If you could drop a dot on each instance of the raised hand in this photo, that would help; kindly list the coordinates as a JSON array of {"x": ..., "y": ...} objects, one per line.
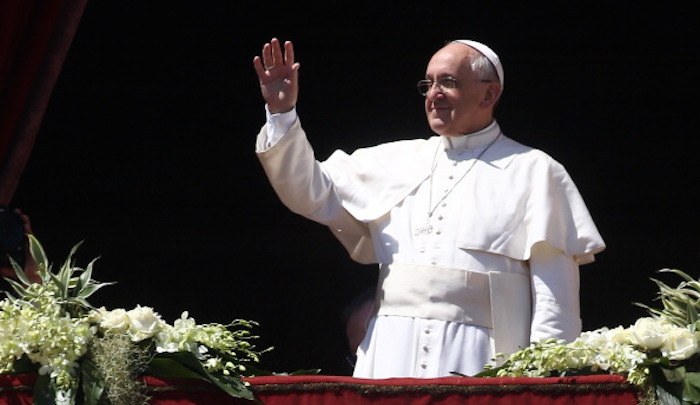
[{"x": 278, "y": 75}]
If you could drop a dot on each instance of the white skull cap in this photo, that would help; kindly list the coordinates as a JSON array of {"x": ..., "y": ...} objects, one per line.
[{"x": 488, "y": 52}]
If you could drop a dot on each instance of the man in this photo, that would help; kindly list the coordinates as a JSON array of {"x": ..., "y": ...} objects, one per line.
[{"x": 478, "y": 238}]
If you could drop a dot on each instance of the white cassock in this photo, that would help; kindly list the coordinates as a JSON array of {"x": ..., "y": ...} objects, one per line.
[{"x": 478, "y": 240}]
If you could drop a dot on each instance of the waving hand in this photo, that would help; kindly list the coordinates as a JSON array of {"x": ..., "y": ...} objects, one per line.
[{"x": 278, "y": 75}]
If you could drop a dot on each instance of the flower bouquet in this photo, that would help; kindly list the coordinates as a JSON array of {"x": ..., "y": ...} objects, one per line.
[
  {"x": 660, "y": 354},
  {"x": 90, "y": 355}
]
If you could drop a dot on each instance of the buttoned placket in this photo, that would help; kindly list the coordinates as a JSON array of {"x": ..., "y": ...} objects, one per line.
[
  {"x": 435, "y": 245},
  {"x": 427, "y": 362},
  {"x": 449, "y": 171}
]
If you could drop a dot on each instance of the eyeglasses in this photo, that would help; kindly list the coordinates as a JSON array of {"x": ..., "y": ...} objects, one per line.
[{"x": 443, "y": 83}]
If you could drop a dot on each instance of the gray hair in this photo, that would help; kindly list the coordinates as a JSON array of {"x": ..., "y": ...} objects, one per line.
[
  {"x": 483, "y": 68},
  {"x": 486, "y": 65}
]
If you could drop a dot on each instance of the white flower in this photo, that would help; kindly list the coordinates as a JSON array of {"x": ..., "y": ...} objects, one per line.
[
  {"x": 167, "y": 347},
  {"x": 597, "y": 338},
  {"x": 51, "y": 325},
  {"x": 680, "y": 343},
  {"x": 115, "y": 320},
  {"x": 143, "y": 323},
  {"x": 649, "y": 333},
  {"x": 619, "y": 335},
  {"x": 63, "y": 397},
  {"x": 179, "y": 337}
]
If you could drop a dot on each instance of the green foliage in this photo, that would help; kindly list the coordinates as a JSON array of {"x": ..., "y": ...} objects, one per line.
[
  {"x": 680, "y": 305},
  {"x": 72, "y": 285},
  {"x": 660, "y": 354},
  {"x": 50, "y": 327}
]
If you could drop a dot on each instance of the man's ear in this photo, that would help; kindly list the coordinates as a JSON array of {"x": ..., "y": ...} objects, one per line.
[{"x": 493, "y": 91}]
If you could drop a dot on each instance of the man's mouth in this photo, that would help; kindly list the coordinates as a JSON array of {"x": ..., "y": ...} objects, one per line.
[{"x": 439, "y": 108}]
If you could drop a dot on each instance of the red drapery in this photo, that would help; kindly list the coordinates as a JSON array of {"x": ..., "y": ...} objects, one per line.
[
  {"x": 34, "y": 39},
  {"x": 340, "y": 390}
]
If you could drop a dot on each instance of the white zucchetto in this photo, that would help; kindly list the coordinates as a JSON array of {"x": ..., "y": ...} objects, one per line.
[{"x": 488, "y": 52}]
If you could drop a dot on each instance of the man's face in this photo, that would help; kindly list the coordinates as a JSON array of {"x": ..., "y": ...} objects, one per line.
[{"x": 459, "y": 110}]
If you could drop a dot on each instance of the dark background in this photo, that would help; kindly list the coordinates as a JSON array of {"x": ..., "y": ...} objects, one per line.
[{"x": 146, "y": 152}]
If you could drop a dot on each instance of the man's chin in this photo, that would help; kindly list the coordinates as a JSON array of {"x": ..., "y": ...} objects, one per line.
[{"x": 438, "y": 126}]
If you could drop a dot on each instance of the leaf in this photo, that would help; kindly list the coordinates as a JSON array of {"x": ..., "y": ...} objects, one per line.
[
  {"x": 19, "y": 271},
  {"x": 681, "y": 273},
  {"x": 663, "y": 386},
  {"x": 233, "y": 386},
  {"x": 24, "y": 365},
  {"x": 188, "y": 361},
  {"x": 80, "y": 282},
  {"x": 691, "y": 387},
  {"x": 37, "y": 253},
  {"x": 19, "y": 288},
  {"x": 58, "y": 282},
  {"x": 90, "y": 289},
  {"x": 85, "y": 277},
  {"x": 170, "y": 367},
  {"x": 692, "y": 314},
  {"x": 83, "y": 303},
  {"x": 45, "y": 394},
  {"x": 490, "y": 371},
  {"x": 93, "y": 386},
  {"x": 63, "y": 278}
]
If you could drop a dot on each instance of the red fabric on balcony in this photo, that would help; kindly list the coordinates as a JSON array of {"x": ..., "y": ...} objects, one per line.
[
  {"x": 447, "y": 391},
  {"x": 336, "y": 390},
  {"x": 16, "y": 389}
]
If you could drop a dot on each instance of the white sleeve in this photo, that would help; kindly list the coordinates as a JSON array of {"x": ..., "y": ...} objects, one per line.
[
  {"x": 278, "y": 124},
  {"x": 555, "y": 282}
]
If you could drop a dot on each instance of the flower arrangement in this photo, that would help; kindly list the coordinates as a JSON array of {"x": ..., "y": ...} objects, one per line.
[
  {"x": 660, "y": 354},
  {"x": 49, "y": 327}
]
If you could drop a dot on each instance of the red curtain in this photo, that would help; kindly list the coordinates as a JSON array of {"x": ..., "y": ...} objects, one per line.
[{"x": 34, "y": 39}]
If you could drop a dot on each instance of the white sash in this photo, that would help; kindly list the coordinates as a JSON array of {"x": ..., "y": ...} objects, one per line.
[{"x": 496, "y": 300}]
